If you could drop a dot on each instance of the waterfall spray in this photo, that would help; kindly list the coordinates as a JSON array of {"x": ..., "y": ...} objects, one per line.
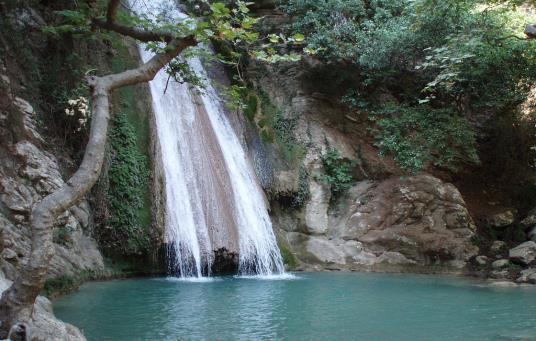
[{"x": 213, "y": 199}]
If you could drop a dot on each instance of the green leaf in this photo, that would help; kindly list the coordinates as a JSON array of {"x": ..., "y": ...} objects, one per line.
[{"x": 298, "y": 37}]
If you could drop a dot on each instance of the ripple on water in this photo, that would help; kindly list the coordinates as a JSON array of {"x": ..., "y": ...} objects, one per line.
[
  {"x": 316, "y": 307},
  {"x": 279, "y": 277},
  {"x": 191, "y": 279}
]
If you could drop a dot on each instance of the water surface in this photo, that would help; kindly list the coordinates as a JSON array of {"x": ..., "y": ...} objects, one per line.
[{"x": 313, "y": 306}]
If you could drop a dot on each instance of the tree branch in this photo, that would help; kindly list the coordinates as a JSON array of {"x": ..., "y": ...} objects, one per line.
[
  {"x": 16, "y": 303},
  {"x": 111, "y": 12},
  {"x": 136, "y": 33},
  {"x": 111, "y": 24}
]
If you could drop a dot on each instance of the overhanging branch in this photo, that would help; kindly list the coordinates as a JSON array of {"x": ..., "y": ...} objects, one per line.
[{"x": 16, "y": 303}]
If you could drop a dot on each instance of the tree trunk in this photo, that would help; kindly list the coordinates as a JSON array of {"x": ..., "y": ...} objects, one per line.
[{"x": 16, "y": 304}]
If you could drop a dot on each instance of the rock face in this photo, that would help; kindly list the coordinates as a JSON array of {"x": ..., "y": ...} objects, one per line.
[
  {"x": 527, "y": 276},
  {"x": 524, "y": 253},
  {"x": 502, "y": 219},
  {"x": 44, "y": 326},
  {"x": 500, "y": 263},
  {"x": 384, "y": 222},
  {"x": 28, "y": 172},
  {"x": 399, "y": 223}
]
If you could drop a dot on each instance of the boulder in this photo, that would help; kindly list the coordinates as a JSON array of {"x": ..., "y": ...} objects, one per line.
[
  {"x": 500, "y": 274},
  {"x": 497, "y": 246},
  {"x": 524, "y": 253},
  {"x": 502, "y": 219},
  {"x": 527, "y": 276},
  {"x": 420, "y": 217},
  {"x": 44, "y": 325},
  {"x": 481, "y": 260},
  {"x": 385, "y": 225},
  {"x": 500, "y": 263},
  {"x": 530, "y": 219}
]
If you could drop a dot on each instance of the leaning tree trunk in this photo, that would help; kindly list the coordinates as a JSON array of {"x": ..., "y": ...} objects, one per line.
[{"x": 16, "y": 304}]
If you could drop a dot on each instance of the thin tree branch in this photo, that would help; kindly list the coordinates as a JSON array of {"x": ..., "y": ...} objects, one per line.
[{"x": 136, "y": 33}]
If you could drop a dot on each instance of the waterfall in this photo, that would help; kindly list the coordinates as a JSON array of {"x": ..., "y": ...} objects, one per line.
[{"x": 213, "y": 199}]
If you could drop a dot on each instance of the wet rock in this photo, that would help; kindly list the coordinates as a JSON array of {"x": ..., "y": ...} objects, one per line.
[
  {"x": 481, "y": 260},
  {"x": 524, "y": 253},
  {"x": 503, "y": 284},
  {"x": 527, "y": 276},
  {"x": 498, "y": 246},
  {"x": 225, "y": 262},
  {"x": 502, "y": 219},
  {"x": 500, "y": 274},
  {"x": 501, "y": 263}
]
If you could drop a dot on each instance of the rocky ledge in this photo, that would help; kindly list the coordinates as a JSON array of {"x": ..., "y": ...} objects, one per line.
[
  {"x": 28, "y": 172},
  {"x": 416, "y": 223},
  {"x": 44, "y": 326}
]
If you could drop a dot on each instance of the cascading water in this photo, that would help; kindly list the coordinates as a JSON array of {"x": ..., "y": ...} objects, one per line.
[{"x": 213, "y": 199}]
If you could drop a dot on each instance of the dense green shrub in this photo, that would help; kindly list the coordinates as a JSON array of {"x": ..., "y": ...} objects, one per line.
[
  {"x": 376, "y": 35},
  {"x": 463, "y": 56},
  {"x": 303, "y": 193},
  {"x": 337, "y": 172},
  {"x": 419, "y": 135},
  {"x": 128, "y": 177}
]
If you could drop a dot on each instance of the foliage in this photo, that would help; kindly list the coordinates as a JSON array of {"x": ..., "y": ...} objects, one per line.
[
  {"x": 289, "y": 259},
  {"x": 303, "y": 193},
  {"x": 419, "y": 135},
  {"x": 355, "y": 31},
  {"x": 128, "y": 176},
  {"x": 467, "y": 63},
  {"x": 275, "y": 127},
  {"x": 337, "y": 172},
  {"x": 466, "y": 56}
]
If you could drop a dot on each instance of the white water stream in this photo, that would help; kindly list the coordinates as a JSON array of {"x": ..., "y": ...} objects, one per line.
[{"x": 213, "y": 199}]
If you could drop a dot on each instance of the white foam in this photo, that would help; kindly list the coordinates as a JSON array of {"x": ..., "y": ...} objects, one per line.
[
  {"x": 275, "y": 277},
  {"x": 200, "y": 193},
  {"x": 193, "y": 279}
]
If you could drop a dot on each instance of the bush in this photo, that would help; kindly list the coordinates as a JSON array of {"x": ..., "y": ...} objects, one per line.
[
  {"x": 416, "y": 136},
  {"x": 338, "y": 172},
  {"x": 303, "y": 193},
  {"x": 128, "y": 177}
]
